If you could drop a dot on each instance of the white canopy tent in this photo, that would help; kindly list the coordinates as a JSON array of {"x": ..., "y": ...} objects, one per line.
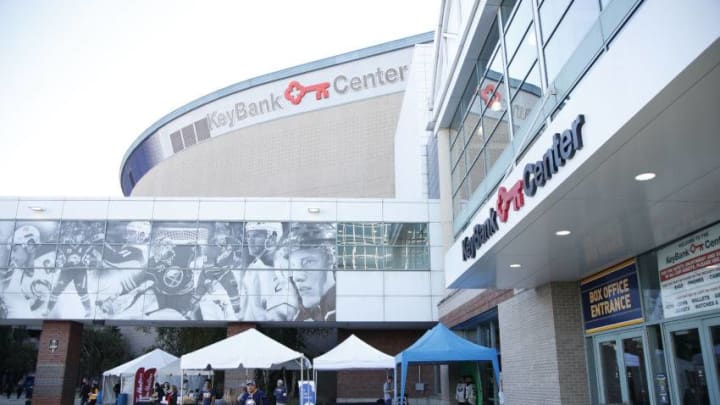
[
  {"x": 352, "y": 354},
  {"x": 155, "y": 359},
  {"x": 247, "y": 350}
]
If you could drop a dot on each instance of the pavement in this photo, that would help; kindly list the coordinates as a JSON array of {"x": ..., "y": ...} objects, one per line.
[{"x": 14, "y": 401}]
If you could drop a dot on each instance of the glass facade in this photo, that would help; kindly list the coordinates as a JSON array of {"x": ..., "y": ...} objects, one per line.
[
  {"x": 531, "y": 58},
  {"x": 190, "y": 270}
]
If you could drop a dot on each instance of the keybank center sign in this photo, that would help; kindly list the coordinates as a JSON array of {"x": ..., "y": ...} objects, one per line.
[{"x": 315, "y": 90}]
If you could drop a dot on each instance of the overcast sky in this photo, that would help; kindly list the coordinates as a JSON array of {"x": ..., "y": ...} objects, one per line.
[{"x": 81, "y": 80}]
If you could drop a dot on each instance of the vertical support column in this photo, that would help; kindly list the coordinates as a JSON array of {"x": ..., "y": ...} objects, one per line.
[
  {"x": 235, "y": 379},
  {"x": 58, "y": 363}
]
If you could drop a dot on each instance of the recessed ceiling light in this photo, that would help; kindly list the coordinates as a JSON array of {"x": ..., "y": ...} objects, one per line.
[
  {"x": 563, "y": 232},
  {"x": 645, "y": 176},
  {"x": 313, "y": 210},
  {"x": 36, "y": 208},
  {"x": 515, "y": 266},
  {"x": 714, "y": 266}
]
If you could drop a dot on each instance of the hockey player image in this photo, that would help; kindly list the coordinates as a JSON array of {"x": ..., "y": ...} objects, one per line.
[
  {"x": 312, "y": 258},
  {"x": 73, "y": 259},
  {"x": 126, "y": 249},
  {"x": 171, "y": 286},
  {"x": 218, "y": 262},
  {"x": 263, "y": 239},
  {"x": 26, "y": 239}
]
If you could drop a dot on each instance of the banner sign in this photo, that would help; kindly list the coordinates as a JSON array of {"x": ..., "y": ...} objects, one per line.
[
  {"x": 690, "y": 274},
  {"x": 611, "y": 298},
  {"x": 144, "y": 382},
  {"x": 307, "y": 392}
]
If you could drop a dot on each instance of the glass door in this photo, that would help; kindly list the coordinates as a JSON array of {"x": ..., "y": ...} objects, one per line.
[
  {"x": 695, "y": 360},
  {"x": 622, "y": 373}
]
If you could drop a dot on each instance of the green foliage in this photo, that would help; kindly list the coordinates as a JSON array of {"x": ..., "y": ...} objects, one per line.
[
  {"x": 18, "y": 356},
  {"x": 102, "y": 348},
  {"x": 179, "y": 341}
]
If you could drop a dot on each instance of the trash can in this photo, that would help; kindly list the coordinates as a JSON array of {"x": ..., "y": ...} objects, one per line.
[{"x": 122, "y": 398}]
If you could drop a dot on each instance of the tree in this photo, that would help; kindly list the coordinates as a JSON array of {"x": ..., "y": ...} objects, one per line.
[
  {"x": 18, "y": 354},
  {"x": 179, "y": 341},
  {"x": 101, "y": 349}
]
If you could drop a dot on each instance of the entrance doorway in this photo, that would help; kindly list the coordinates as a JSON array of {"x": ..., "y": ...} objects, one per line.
[
  {"x": 622, "y": 375},
  {"x": 694, "y": 360}
]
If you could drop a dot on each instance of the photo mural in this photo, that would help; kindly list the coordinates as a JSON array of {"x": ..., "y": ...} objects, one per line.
[{"x": 155, "y": 270}]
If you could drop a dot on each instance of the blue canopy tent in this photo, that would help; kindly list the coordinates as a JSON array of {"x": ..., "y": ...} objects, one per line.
[{"x": 440, "y": 345}]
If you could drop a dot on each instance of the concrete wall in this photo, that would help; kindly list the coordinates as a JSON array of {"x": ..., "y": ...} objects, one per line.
[
  {"x": 543, "y": 356},
  {"x": 345, "y": 151}
]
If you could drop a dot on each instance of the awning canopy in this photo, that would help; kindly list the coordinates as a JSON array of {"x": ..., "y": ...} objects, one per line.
[
  {"x": 353, "y": 354},
  {"x": 154, "y": 359},
  {"x": 440, "y": 345},
  {"x": 248, "y": 349}
]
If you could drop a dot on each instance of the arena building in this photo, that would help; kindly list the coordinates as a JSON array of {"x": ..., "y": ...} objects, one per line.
[
  {"x": 298, "y": 199},
  {"x": 579, "y": 170}
]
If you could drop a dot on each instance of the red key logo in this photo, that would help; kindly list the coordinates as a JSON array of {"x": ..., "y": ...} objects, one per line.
[
  {"x": 506, "y": 197},
  {"x": 295, "y": 91}
]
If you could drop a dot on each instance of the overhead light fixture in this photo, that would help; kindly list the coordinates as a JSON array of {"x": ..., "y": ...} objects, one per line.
[
  {"x": 313, "y": 210},
  {"x": 563, "y": 232},
  {"x": 515, "y": 266},
  {"x": 37, "y": 208},
  {"x": 714, "y": 266},
  {"x": 645, "y": 176},
  {"x": 496, "y": 105}
]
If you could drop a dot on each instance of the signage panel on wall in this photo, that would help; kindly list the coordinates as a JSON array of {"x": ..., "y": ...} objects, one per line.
[
  {"x": 690, "y": 274},
  {"x": 611, "y": 298}
]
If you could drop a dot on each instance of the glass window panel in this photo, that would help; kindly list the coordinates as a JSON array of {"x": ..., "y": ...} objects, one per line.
[
  {"x": 491, "y": 45},
  {"x": 610, "y": 373},
  {"x": 179, "y": 233},
  {"x": 690, "y": 367},
  {"x": 715, "y": 336},
  {"x": 360, "y": 233},
  {"x": 33, "y": 256},
  {"x": 202, "y": 129},
  {"x": 572, "y": 29},
  {"x": 36, "y": 232},
  {"x": 506, "y": 9},
  {"x": 495, "y": 97},
  {"x": 476, "y": 143},
  {"x": 497, "y": 143},
  {"x": 458, "y": 174},
  {"x": 477, "y": 173},
  {"x": 407, "y": 258},
  {"x": 525, "y": 99},
  {"x": 75, "y": 256},
  {"x": 635, "y": 373},
  {"x": 360, "y": 258},
  {"x": 550, "y": 13},
  {"x": 165, "y": 254},
  {"x": 176, "y": 142},
  {"x": 473, "y": 117},
  {"x": 84, "y": 232},
  {"x": 5, "y": 255},
  {"x": 221, "y": 233},
  {"x": 125, "y": 256},
  {"x": 6, "y": 231},
  {"x": 455, "y": 125},
  {"x": 460, "y": 199},
  {"x": 456, "y": 152},
  {"x": 219, "y": 257},
  {"x": 406, "y": 234},
  {"x": 517, "y": 27},
  {"x": 523, "y": 60},
  {"x": 469, "y": 92},
  {"x": 133, "y": 232}
]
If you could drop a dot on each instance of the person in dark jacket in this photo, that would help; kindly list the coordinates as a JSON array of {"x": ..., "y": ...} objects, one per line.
[{"x": 253, "y": 396}]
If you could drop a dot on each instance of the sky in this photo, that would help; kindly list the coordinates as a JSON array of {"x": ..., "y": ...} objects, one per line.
[{"x": 81, "y": 80}]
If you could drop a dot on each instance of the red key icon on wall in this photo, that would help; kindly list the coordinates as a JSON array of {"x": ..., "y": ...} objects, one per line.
[{"x": 295, "y": 91}]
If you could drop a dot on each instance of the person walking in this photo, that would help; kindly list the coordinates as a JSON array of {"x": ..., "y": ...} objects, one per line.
[
  {"x": 280, "y": 393},
  {"x": 207, "y": 394},
  {"x": 461, "y": 392},
  {"x": 84, "y": 391},
  {"x": 388, "y": 390}
]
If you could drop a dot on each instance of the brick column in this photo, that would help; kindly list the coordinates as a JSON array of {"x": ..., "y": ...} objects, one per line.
[
  {"x": 57, "y": 364},
  {"x": 234, "y": 379}
]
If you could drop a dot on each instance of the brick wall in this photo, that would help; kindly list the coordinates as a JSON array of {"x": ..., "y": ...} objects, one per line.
[
  {"x": 368, "y": 383},
  {"x": 485, "y": 300},
  {"x": 57, "y": 370},
  {"x": 543, "y": 358}
]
